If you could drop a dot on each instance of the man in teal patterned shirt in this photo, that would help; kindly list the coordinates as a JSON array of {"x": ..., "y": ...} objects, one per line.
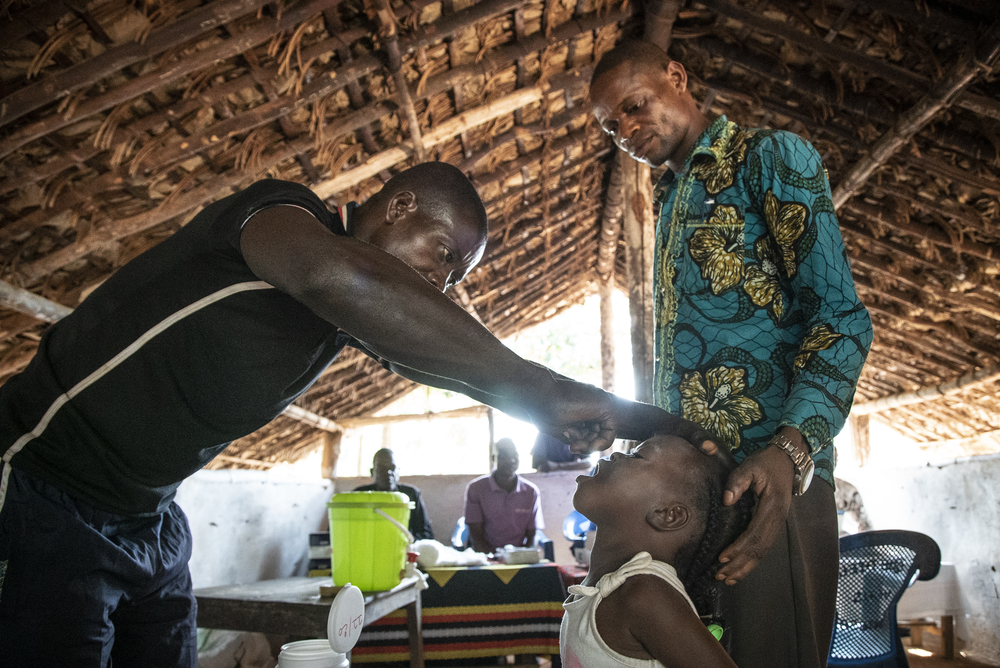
[{"x": 760, "y": 337}]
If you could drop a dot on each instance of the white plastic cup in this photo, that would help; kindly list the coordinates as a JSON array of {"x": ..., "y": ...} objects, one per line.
[{"x": 311, "y": 654}]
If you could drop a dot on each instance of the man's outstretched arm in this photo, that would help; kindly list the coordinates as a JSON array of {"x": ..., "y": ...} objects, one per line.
[{"x": 401, "y": 317}]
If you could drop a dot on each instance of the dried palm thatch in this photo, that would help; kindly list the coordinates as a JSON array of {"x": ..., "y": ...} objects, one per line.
[{"x": 120, "y": 120}]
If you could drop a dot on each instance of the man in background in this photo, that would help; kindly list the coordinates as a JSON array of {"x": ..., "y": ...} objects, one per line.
[
  {"x": 387, "y": 480},
  {"x": 502, "y": 508}
]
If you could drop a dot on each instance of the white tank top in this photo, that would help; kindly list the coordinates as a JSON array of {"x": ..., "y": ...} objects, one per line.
[{"x": 580, "y": 645}]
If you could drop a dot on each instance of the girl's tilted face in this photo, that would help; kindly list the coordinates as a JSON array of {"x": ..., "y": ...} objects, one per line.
[{"x": 658, "y": 470}]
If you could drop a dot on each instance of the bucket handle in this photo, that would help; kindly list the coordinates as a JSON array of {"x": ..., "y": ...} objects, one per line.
[{"x": 396, "y": 523}]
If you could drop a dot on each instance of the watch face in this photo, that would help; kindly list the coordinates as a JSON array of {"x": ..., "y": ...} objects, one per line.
[{"x": 806, "y": 476}]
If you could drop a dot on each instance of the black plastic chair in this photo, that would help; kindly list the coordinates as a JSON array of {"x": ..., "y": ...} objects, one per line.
[{"x": 876, "y": 567}]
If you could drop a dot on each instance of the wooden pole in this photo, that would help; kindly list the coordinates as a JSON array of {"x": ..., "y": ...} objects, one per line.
[
  {"x": 862, "y": 442},
  {"x": 27, "y": 302},
  {"x": 639, "y": 244},
  {"x": 607, "y": 286}
]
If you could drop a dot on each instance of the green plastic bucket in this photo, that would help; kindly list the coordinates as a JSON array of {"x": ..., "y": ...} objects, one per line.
[{"x": 369, "y": 550}]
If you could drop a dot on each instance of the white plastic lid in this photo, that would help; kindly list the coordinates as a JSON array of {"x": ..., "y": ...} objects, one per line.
[{"x": 347, "y": 617}]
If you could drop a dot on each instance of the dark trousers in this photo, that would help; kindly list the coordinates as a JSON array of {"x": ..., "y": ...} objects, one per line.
[
  {"x": 781, "y": 615},
  {"x": 81, "y": 587}
]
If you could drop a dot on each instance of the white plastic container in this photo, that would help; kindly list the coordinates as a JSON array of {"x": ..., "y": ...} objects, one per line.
[
  {"x": 311, "y": 654},
  {"x": 343, "y": 626}
]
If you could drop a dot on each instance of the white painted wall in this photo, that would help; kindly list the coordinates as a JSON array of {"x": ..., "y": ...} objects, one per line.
[{"x": 250, "y": 525}]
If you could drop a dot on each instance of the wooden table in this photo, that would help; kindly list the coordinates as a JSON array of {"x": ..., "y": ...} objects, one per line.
[{"x": 293, "y": 606}]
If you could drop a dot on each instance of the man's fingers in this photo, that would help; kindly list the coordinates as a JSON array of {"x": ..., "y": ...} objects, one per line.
[
  {"x": 739, "y": 482},
  {"x": 740, "y": 558}
]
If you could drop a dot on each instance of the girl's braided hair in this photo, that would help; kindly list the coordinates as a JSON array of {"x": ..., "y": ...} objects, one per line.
[{"x": 698, "y": 561}]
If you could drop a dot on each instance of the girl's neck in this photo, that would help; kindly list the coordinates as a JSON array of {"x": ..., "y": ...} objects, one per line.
[{"x": 612, "y": 551}]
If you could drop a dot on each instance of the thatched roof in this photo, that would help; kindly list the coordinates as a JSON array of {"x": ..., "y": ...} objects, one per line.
[{"x": 120, "y": 120}]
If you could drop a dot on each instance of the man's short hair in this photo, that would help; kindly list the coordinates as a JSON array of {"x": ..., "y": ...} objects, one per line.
[
  {"x": 441, "y": 189},
  {"x": 639, "y": 53}
]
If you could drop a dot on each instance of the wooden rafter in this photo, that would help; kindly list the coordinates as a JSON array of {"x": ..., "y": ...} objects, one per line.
[
  {"x": 57, "y": 86},
  {"x": 969, "y": 66}
]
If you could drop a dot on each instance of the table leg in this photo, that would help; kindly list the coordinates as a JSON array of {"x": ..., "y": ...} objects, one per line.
[
  {"x": 948, "y": 636},
  {"x": 415, "y": 631},
  {"x": 916, "y": 635}
]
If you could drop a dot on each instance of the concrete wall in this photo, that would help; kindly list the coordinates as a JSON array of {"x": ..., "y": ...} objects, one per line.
[
  {"x": 957, "y": 504},
  {"x": 249, "y": 526}
]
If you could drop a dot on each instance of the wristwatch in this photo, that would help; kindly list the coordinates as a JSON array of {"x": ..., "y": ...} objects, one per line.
[{"x": 804, "y": 466}]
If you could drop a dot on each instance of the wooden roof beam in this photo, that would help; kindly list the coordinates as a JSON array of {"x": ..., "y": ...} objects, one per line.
[
  {"x": 907, "y": 343},
  {"x": 942, "y": 95},
  {"x": 16, "y": 298},
  {"x": 870, "y": 108},
  {"x": 56, "y": 86},
  {"x": 890, "y": 73},
  {"x": 991, "y": 350},
  {"x": 967, "y": 381},
  {"x": 934, "y": 234},
  {"x": 236, "y": 44},
  {"x": 390, "y": 42}
]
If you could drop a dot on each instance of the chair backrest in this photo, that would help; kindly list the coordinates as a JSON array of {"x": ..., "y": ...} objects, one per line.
[
  {"x": 576, "y": 526},
  {"x": 875, "y": 568},
  {"x": 460, "y": 534}
]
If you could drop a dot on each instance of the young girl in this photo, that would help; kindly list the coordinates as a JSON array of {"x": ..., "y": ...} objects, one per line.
[{"x": 661, "y": 525}]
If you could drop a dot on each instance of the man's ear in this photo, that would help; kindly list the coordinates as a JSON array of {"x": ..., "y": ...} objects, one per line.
[
  {"x": 677, "y": 75},
  {"x": 402, "y": 204},
  {"x": 669, "y": 518}
]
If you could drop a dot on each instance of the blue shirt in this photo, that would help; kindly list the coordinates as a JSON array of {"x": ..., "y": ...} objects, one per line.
[{"x": 758, "y": 323}]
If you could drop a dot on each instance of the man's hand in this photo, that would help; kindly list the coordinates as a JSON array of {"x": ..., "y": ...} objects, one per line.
[
  {"x": 769, "y": 473},
  {"x": 576, "y": 413}
]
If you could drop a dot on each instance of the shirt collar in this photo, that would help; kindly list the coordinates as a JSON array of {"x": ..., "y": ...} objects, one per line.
[
  {"x": 497, "y": 488},
  {"x": 712, "y": 144},
  {"x": 346, "y": 213}
]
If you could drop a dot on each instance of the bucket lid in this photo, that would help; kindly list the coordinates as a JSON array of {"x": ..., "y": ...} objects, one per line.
[
  {"x": 381, "y": 499},
  {"x": 347, "y": 617}
]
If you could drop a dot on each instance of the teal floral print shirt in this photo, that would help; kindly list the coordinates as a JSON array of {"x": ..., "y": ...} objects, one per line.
[{"x": 758, "y": 323}]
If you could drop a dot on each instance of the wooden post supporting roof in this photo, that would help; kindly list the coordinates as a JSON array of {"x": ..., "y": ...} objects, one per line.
[
  {"x": 637, "y": 189},
  {"x": 637, "y": 198}
]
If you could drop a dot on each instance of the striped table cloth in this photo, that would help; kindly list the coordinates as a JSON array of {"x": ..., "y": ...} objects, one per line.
[{"x": 473, "y": 612}]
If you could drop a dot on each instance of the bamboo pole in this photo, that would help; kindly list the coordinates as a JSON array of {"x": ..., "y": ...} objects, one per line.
[
  {"x": 57, "y": 86},
  {"x": 968, "y": 381},
  {"x": 942, "y": 95}
]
